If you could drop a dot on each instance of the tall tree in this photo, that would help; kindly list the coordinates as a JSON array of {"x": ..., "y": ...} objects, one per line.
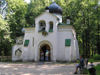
[
  {"x": 16, "y": 17},
  {"x": 4, "y": 35}
]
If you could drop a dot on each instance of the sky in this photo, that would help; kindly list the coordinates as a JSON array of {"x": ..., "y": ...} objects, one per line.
[{"x": 28, "y": 1}]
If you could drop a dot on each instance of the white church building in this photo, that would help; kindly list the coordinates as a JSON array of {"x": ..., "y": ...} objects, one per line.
[{"x": 48, "y": 40}]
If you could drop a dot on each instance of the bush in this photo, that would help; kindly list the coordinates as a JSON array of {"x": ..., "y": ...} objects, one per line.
[
  {"x": 97, "y": 69},
  {"x": 96, "y": 57}
]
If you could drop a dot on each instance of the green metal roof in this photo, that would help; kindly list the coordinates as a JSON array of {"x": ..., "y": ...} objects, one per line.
[{"x": 60, "y": 24}]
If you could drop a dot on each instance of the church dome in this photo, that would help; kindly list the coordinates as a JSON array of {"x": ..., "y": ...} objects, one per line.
[{"x": 54, "y": 8}]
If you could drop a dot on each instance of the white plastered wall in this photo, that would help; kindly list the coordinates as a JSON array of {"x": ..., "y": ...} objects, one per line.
[
  {"x": 73, "y": 47},
  {"x": 64, "y": 52},
  {"x": 77, "y": 48},
  {"x": 51, "y": 37},
  {"x": 14, "y": 48},
  {"x": 28, "y": 51}
]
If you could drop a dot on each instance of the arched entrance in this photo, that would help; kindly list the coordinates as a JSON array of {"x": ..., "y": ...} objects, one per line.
[
  {"x": 45, "y": 53},
  {"x": 43, "y": 45}
]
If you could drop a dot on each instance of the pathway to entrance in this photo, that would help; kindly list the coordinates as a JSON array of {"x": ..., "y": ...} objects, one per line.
[{"x": 37, "y": 69}]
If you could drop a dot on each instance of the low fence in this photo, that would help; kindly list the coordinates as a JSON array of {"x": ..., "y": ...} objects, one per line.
[{"x": 5, "y": 58}]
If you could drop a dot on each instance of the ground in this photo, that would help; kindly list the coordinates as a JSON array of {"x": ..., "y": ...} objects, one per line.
[{"x": 31, "y": 68}]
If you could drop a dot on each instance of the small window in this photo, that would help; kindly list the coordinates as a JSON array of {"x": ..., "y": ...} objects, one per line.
[
  {"x": 67, "y": 42},
  {"x": 51, "y": 26},
  {"x": 26, "y": 42},
  {"x": 42, "y": 26}
]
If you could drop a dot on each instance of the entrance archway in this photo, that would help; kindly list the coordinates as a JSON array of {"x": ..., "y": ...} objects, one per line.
[
  {"x": 43, "y": 45},
  {"x": 45, "y": 53}
]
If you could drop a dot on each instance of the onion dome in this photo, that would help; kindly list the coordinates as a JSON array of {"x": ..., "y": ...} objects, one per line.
[{"x": 54, "y": 8}]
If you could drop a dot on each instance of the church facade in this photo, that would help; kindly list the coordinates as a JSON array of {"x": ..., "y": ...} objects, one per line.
[{"x": 48, "y": 40}]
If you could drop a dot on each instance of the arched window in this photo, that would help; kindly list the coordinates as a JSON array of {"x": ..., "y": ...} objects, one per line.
[
  {"x": 42, "y": 25},
  {"x": 50, "y": 26}
]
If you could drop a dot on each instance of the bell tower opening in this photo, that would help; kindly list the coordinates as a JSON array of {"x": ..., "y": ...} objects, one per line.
[{"x": 45, "y": 53}]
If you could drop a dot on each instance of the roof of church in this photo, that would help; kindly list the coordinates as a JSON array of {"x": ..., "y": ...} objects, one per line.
[
  {"x": 54, "y": 8},
  {"x": 29, "y": 26},
  {"x": 60, "y": 24}
]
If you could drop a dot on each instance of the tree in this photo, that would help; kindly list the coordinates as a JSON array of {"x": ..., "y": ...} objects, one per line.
[
  {"x": 4, "y": 36},
  {"x": 35, "y": 8},
  {"x": 3, "y": 7},
  {"x": 16, "y": 17}
]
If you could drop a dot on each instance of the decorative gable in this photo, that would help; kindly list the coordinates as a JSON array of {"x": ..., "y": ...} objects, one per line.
[
  {"x": 47, "y": 17},
  {"x": 19, "y": 40}
]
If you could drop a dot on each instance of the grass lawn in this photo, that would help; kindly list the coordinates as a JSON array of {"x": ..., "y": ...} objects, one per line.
[
  {"x": 92, "y": 60},
  {"x": 97, "y": 69}
]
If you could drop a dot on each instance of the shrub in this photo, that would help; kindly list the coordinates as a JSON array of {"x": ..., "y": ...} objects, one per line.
[
  {"x": 96, "y": 57},
  {"x": 97, "y": 69}
]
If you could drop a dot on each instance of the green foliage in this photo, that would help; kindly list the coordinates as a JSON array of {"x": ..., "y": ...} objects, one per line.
[
  {"x": 97, "y": 69},
  {"x": 93, "y": 60},
  {"x": 35, "y": 8},
  {"x": 16, "y": 20},
  {"x": 85, "y": 71},
  {"x": 4, "y": 37},
  {"x": 96, "y": 57},
  {"x": 5, "y": 58}
]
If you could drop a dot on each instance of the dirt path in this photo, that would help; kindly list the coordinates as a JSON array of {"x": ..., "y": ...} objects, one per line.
[{"x": 36, "y": 69}]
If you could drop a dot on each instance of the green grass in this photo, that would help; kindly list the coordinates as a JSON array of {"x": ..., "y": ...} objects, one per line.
[
  {"x": 96, "y": 57},
  {"x": 93, "y": 60},
  {"x": 97, "y": 69},
  {"x": 5, "y": 60}
]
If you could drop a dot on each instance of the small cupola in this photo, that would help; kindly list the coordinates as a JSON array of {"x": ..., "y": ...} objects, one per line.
[
  {"x": 47, "y": 9},
  {"x": 68, "y": 20}
]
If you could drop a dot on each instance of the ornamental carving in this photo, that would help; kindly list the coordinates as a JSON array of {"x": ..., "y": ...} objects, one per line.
[{"x": 45, "y": 33}]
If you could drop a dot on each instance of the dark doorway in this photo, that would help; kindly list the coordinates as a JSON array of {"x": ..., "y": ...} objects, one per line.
[{"x": 45, "y": 53}]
